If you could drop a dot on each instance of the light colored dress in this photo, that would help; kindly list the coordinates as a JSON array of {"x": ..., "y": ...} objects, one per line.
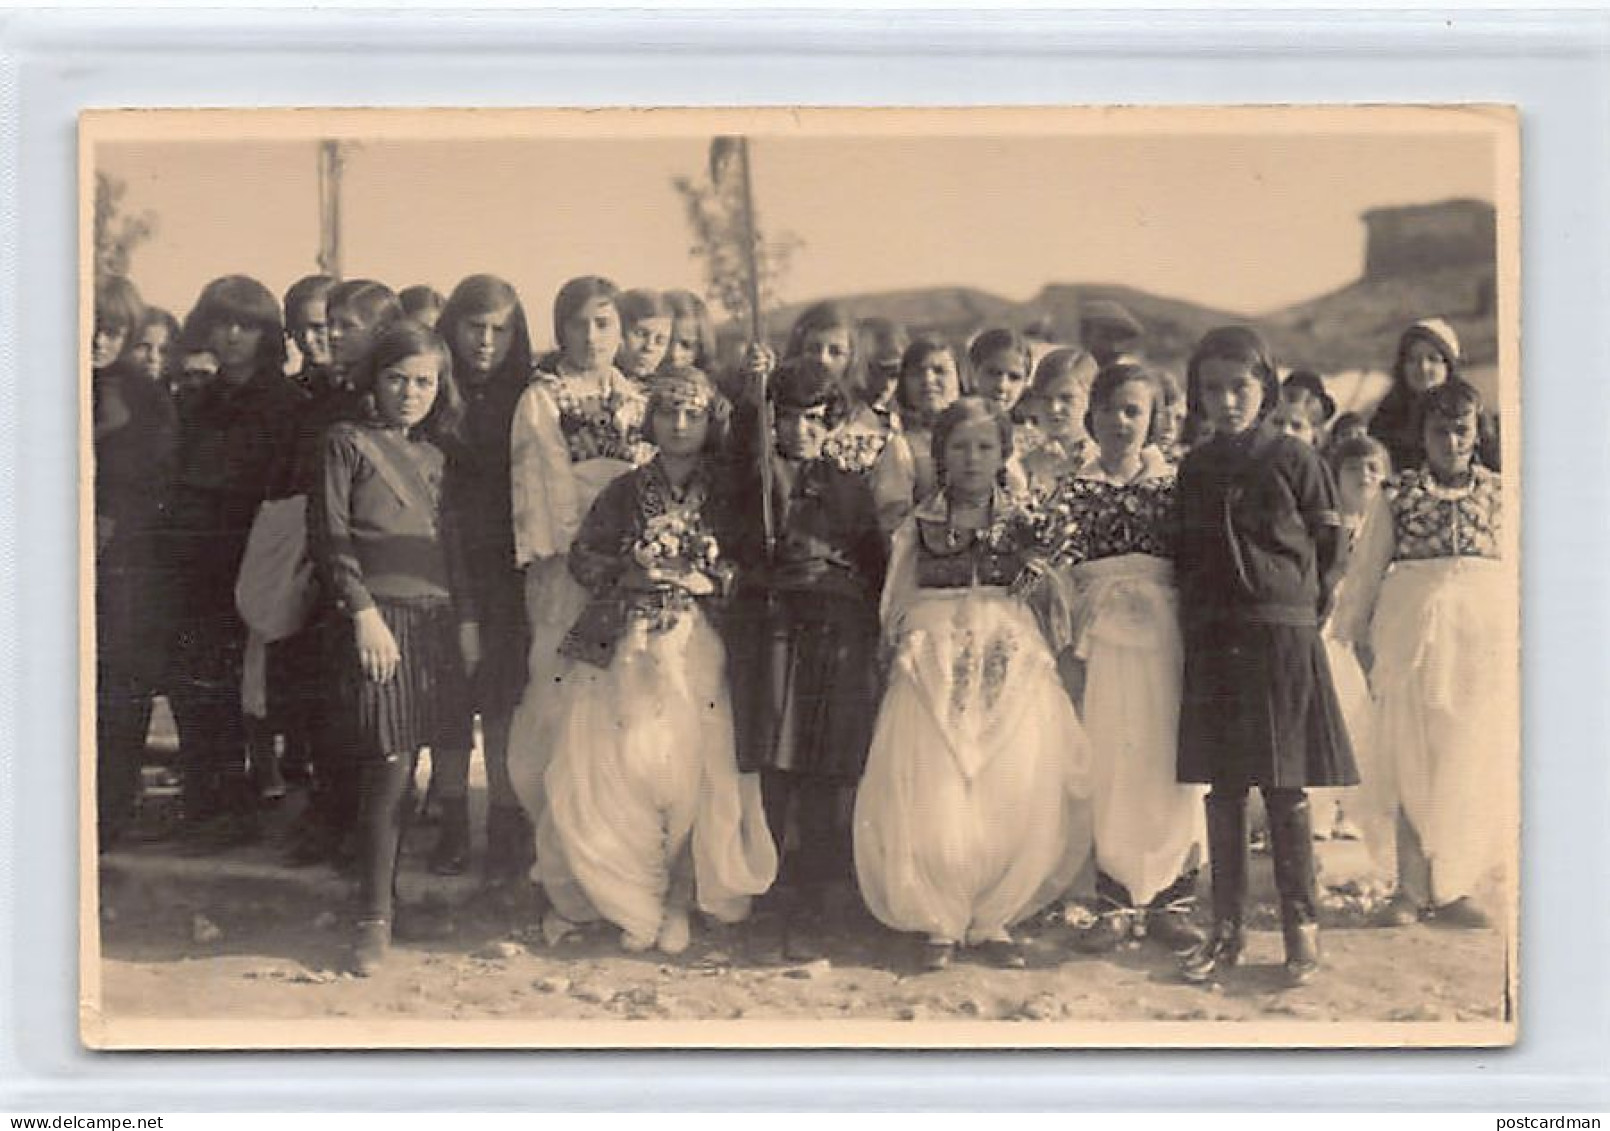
[
  {"x": 1430, "y": 594},
  {"x": 964, "y": 817},
  {"x": 567, "y": 443},
  {"x": 644, "y": 805},
  {"x": 1371, "y": 806},
  {"x": 1148, "y": 827}
]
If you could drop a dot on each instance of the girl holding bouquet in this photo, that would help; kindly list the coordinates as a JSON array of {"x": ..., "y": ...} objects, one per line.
[
  {"x": 645, "y": 810},
  {"x": 965, "y": 818}
]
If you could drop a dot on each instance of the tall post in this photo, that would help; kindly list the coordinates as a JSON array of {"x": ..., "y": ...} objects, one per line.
[
  {"x": 330, "y": 170},
  {"x": 757, "y": 334}
]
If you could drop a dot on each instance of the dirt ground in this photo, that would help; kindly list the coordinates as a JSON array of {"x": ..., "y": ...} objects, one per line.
[{"x": 240, "y": 937}]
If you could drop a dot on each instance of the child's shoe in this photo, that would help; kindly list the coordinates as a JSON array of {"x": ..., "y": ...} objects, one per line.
[
  {"x": 370, "y": 947},
  {"x": 1400, "y": 911},
  {"x": 675, "y": 932}
]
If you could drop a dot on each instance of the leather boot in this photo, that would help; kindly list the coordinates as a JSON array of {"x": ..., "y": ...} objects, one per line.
[
  {"x": 1292, "y": 839},
  {"x": 263, "y": 759},
  {"x": 510, "y": 850},
  {"x": 1228, "y": 851},
  {"x": 451, "y": 855}
]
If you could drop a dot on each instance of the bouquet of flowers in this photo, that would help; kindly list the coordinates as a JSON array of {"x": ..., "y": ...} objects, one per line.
[
  {"x": 601, "y": 427},
  {"x": 678, "y": 549},
  {"x": 854, "y": 450}
]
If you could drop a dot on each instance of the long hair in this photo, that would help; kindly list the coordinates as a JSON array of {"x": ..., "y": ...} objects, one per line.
[
  {"x": 156, "y": 316},
  {"x": 1241, "y": 344},
  {"x": 687, "y": 305},
  {"x": 831, "y": 315},
  {"x": 487, "y": 294},
  {"x": 577, "y": 293},
  {"x": 399, "y": 341},
  {"x": 242, "y": 300},
  {"x": 922, "y": 347},
  {"x": 118, "y": 305}
]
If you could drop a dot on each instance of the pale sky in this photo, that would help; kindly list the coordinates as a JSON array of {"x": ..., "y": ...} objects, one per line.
[{"x": 1247, "y": 224}]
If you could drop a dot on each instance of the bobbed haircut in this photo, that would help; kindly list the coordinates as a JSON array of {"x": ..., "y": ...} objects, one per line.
[
  {"x": 576, "y": 294},
  {"x": 969, "y": 410},
  {"x": 663, "y": 388},
  {"x": 400, "y": 340},
  {"x": 687, "y": 305},
  {"x": 878, "y": 335},
  {"x": 241, "y": 300},
  {"x": 156, "y": 316},
  {"x": 1114, "y": 377},
  {"x": 1240, "y": 344},
  {"x": 922, "y": 347},
  {"x": 419, "y": 298},
  {"x": 1062, "y": 364},
  {"x": 639, "y": 303},
  {"x": 1355, "y": 448},
  {"x": 373, "y": 302},
  {"x": 118, "y": 305},
  {"x": 488, "y": 294},
  {"x": 309, "y": 288},
  {"x": 997, "y": 340},
  {"x": 803, "y": 383}
]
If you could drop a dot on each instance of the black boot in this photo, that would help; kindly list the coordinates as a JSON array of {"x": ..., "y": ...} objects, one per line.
[
  {"x": 1227, "y": 856},
  {"x": 451, "y": 855},
  {"x": 1291, "y": 837},
  {"x": 263, "y": 759},
  {"x": 510, "y": 846}
]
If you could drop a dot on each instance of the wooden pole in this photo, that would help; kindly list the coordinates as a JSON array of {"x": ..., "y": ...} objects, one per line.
[{"x": 757, "y": 334}]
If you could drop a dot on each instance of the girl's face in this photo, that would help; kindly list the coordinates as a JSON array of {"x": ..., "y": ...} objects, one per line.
[
  {"x": 481, "y": 341},
  {"x": 1424, "y": 367},
  {"x": 150, "y": 351},
  {"x": 1450, "y": 444},
  {"x": 1063, "y": 408},
  {"x": 830, "y": 346},
  {"x": 1002, "y": 377},
  {"x": 1358, "y": 481},
  {"x": 645, "y": 345},
  {"x": 592, "y": 334},
  {"x": 1294, "y": 420},
  {"x": 406, "y": 389},
  {"x": 107, "y": 345},
  {"x": 683, "y": 349},
  {"x": 801, "y": 431},
  {"x": 973, "y": 458},
  {"x": 350, "y": 334},
  {"x": 234, "y": 344},
  {"x": 1122, "y": 420},
  {"x": 931, "y": 384},
  {"x": 1231, "y": 394},
  {"x": 680, "y": 430},
  {"x": 1170, "y": 423},
  {"x": 312, "y": 331}
]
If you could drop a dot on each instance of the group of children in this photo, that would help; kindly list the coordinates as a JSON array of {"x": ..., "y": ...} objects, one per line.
[{"x": 972, "y": 629}]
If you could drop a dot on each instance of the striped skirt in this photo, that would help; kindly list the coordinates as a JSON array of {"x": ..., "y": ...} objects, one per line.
[{"x": 425, "y": 702}]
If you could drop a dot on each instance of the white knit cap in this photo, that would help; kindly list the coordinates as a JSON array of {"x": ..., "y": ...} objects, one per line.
[{"x": 1442, "y": 332}]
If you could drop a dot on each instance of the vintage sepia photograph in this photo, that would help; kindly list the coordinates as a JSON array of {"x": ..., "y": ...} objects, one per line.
[{"x": 1032, "y": 577}]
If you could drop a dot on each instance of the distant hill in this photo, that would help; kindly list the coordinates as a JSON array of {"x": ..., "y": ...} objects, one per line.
[{"x": 1423, "y": 260}]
